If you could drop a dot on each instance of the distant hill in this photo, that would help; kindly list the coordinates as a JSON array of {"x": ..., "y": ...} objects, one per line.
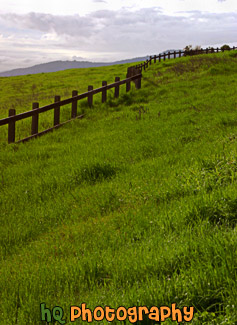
[{"x": 64, "y": 65}]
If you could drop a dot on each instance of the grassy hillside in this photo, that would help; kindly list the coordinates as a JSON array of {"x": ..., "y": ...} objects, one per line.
[{"x": 134, "y": 205}]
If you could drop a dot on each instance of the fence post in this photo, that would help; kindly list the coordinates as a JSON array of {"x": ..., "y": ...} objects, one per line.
[
  {"x": 11, "y": 127},
  {"x": 128, "y": 86},
  {"x": 56, "y": 111},
  {"x": 90, "y": 97},
  {"x": 155, "y": 59},
  {"x": 164, "y": 56},
  {"x": 159, "y": 57},
  {"x": 74, "y": 104},
  {"x": 179, "y": 53},
  {"x": 206, "y": 50},
  {"x": 169, "y": 55},
  {"x": 150, "y": 59},
  {"x": 174, "y": 54},
  {"x": 104, "y": 91},
  {"x": 138, "y": 82},
  {"x": 116, "y": 88},
  {"x": 35, "y": 120},
  {"x": 217, "y": 50}
]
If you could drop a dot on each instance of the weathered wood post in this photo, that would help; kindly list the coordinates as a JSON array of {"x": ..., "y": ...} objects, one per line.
[
  {"x": 150, "y": 59},
  {"x": 206, "y": 50},
  {"x": 74, "y": 104},
  {"x": 169, "y": 55},
  {"x": 35, "y": 120},
  {"x": 116, "y": 88},
  {"x": 217, "y": 50},
  {"x": 90, "y": 96},
  {"x": 155, "y": 59},
  {"x": 128, "y": 86},
  {"x": 164, "y": 56},
  {"x": 179, "y": 53},
  {"x": 159, "y": 57},
  {"x": 138, "y": 82},
  {"x": 11, "y": 126},
  {"x": 104, "y": 91},
  {"x": 174, "y": 54},
  {"x": 128, "y": 75},
  {"x": 129, "y": 72},
  {"x": 56, "y": 111}
]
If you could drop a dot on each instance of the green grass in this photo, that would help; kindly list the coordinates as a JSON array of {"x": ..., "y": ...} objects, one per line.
[{"x": 134, "y": 205}]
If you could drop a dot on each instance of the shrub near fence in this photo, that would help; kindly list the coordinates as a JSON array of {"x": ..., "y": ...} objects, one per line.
[{"x": 133, "y": 74}]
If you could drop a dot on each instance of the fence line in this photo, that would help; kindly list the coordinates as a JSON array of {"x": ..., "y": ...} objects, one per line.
[
  {"x": 36, "y": 110},
  {"x": 176, "y": 54},
  {"x": 133, "y": 74}
]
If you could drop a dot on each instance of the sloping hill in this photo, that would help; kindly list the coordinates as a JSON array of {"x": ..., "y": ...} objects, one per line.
[
  {"x": 64, "y": 65},
  {"x": 133, "y": 206}
]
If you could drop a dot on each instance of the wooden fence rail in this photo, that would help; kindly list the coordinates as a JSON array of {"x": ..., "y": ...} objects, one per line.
[{"x": 36, "y": 110}]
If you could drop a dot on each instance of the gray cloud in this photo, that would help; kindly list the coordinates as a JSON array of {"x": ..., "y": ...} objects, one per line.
[
  {"x": 68, "y": 25},
  {"x": 115, "y": 34}
]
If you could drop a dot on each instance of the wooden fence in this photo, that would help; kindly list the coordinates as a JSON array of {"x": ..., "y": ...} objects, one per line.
[
  {"x": 36, "y": 110},
  {"x": 133, "y": 74},
  {"x": 176, "y": 54}
]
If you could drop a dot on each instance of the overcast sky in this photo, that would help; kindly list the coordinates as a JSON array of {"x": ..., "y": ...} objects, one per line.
[{"x": 33, "y": 31}]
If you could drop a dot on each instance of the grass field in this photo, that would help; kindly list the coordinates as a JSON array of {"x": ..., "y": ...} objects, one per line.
[{"x": 134, "y": 205}]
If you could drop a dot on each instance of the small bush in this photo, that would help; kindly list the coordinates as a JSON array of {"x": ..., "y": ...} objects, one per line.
[
  {"x": 190, "y": 50},
  {"x": 225, "y": 47}
]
